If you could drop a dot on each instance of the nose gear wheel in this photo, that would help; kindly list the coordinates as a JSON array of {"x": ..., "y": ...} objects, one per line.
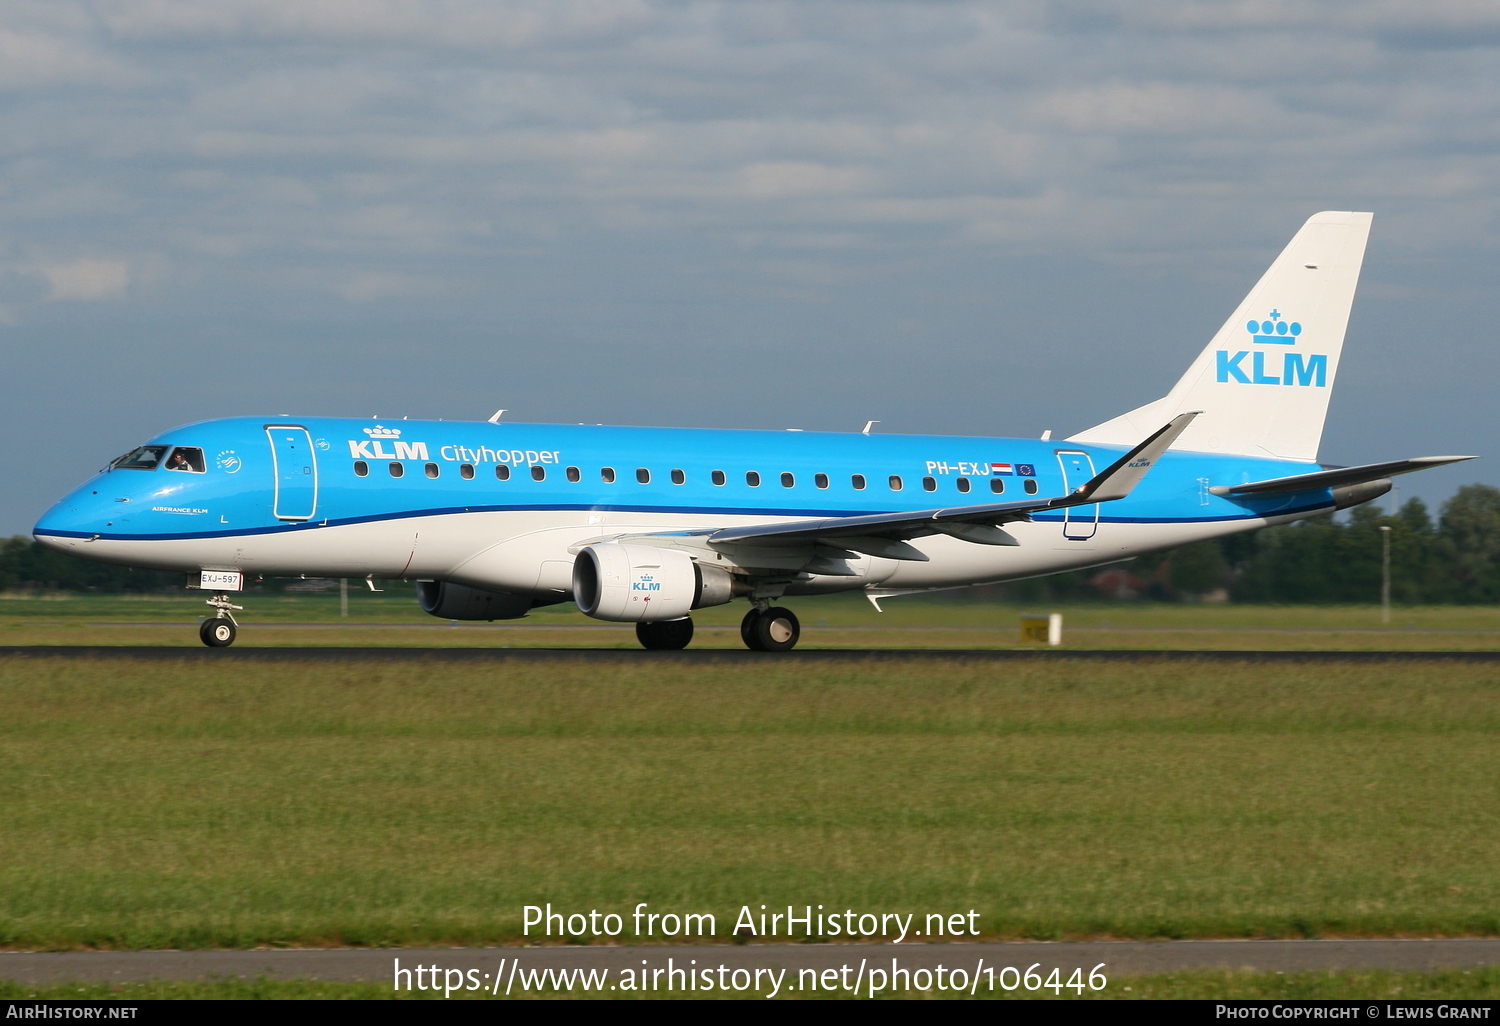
[{"x": 217, "y": 633}]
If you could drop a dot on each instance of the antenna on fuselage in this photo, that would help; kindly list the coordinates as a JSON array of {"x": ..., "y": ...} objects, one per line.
[
  {"x": 868, "y": 425},
  {"x": 496, "y": 418}
]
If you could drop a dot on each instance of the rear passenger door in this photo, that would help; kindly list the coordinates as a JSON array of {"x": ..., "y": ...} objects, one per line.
[{"x": 1079, "y": 522}]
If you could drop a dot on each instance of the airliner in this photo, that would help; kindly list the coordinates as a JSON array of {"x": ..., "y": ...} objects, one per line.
[{"x": 644, "y": 525}]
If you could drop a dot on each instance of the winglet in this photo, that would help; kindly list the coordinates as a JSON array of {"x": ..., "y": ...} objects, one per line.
[{"x": 1117, "y": 480}]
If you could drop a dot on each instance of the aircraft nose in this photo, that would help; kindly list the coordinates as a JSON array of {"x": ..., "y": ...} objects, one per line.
[
  {"x": 40, "y": 534},
  {"x": 77, "y": 518}
]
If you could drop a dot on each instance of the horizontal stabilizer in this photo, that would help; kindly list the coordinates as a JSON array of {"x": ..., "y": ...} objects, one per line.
[{"x": 1337, "y": 477}]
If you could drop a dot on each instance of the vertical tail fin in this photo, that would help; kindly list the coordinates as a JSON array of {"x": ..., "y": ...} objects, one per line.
[{"x": 1264, "y": 381}]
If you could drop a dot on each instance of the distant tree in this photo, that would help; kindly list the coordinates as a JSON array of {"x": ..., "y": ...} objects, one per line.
[
  {"x": 24, "y": 564},
  {"x": 1293, "y": 563},
  {"x": 1469, "y": 529},
  {"x": 12, "y": 552},
  {"x": 1195, "y": 569},
  {"x": 1416, "y": 572},
  {"x": 1355, "y": 559}
]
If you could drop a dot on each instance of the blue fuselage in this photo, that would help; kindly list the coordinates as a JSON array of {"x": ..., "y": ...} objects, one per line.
[{"x": 301, "y": 496}]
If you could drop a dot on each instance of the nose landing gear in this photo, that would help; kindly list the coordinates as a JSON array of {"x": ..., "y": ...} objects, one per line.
[
  {"x": 774, "y": 629},
  {"x": 219, "y": 630}
]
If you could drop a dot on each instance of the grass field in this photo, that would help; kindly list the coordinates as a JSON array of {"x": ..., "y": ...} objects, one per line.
[
  {"x": 1452, "y": 985},
  {"x": 845, "y": 621},
  {"x": 158, "y": 805}
]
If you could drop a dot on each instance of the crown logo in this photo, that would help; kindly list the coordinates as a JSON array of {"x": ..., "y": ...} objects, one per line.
[
  {"x": 1274, "y": 332},
  {"x": 383, "y": 432}
]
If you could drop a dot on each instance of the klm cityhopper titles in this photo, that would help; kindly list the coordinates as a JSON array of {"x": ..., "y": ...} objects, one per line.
[{"x": 644, "y": 525}]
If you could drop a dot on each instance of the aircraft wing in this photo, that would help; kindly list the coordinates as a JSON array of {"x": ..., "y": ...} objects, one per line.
[
  {"x": 885, "y": 534},
  {"x": 1336, "y": 477}
]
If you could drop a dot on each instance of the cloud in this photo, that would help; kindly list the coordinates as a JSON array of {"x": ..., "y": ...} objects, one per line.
[
  {"x": 565, "y": 181},
  {"x": 250, "y": 120},
  {"x": 1159, "y": 108},
  {"x": 86, "y": 280},
  {"x": 32, "y": 60},
  {"x": 465, "y": 24},
  {"x": 784, "y": 179},
  {"x": 370, "y": 286}
]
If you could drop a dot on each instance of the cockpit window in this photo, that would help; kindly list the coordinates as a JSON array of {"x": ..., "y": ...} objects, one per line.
[
  {"x": 186, "y": 458},
  {"x": 144, "y": 458}
]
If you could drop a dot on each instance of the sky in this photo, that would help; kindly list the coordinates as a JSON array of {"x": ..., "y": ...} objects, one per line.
[{"x": 951, "y": 217}]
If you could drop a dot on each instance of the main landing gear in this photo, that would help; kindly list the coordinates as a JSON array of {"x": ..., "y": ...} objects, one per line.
[
  {"x": 774, "y": 629},
  {"x": 770, "y": 630},
  {"x": 218, "y": 631},
  {"x": 665, "y": 635}
]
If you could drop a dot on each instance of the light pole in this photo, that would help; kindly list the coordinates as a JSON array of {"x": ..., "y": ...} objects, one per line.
[{"x": 1385, "y": 574}]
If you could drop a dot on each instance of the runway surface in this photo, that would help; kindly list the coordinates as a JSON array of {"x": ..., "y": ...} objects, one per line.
[
  {"x": 1118, "y": 957},
  {"x": 197, "y": 653}
]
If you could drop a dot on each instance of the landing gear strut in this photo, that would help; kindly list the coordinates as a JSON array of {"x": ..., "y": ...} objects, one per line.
[
  {"x": 770, "y": 630},
  {"x": 219, "y": 630},
  {"x": 665, "y": 635}
]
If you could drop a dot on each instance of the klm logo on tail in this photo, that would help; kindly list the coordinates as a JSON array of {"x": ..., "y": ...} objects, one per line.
[{"x": 1294, "y": 369}]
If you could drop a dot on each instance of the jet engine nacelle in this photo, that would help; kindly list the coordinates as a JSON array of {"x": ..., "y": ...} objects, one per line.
[
  {"x": 619, "y": 581},
  {"x": 457, "y": 602}
]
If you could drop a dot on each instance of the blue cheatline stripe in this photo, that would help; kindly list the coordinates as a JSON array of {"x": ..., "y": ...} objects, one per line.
[{"x": 286, "y": 528}]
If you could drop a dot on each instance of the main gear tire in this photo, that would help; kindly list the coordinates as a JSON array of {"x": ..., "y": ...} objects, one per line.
[
  {"x": 665, "y": 635},
  {"x": 776, "y": 630},
  {"x": 747, "y": 629}
]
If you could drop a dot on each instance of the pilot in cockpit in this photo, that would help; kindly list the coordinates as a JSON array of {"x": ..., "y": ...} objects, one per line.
[{"x": 189, "y": 460}]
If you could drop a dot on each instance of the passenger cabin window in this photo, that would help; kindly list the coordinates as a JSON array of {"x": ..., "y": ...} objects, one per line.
[
  {"x": 573, "y": 474},
  {"x": 607, "y": 475},
  {"x": 431, "y": 470},
  {"x": 929, "y": 484},
  {"x": 361, "y": 468},
  {"x": 963, "y": 484},
  {"x": 997, "y": 485},
  {"x": 643, "y": 475},
  {"x": 858, "y": 481},
  {"x": 752, "y": 479},
  {"x": 144, "y": 458},
  {"x": 1030, "y": 485},
  {"x": 896, "y": 482},
  {"x": 397, "y": 470},
  {"x": 787, "y": 480},
  {"x": 821, "y": 480},
  {"x": 188, "y": 459},
  {"x": 538, "y": 473},
  {"x": 502, "y": 472},
  {"x": 466, "y": 471},
  {"x": 718, "y": 477},
  {"x": 678, "y": 477}
]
